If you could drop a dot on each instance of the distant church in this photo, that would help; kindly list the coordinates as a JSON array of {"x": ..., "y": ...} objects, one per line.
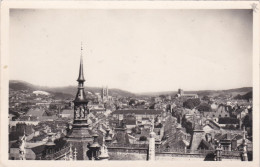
[
  {"x": 181, "y": 94},
  {"x": 104, "y": 95}
]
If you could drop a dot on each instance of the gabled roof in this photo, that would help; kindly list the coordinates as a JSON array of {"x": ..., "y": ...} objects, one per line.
[
  {"x": 237, "y": 137},
  {"x": 139, "y": 112},
  {"x": 198, "y": 127},
  {"x": 37, "y": 112},
  {"x": 38, "y": 149},
  {"x": 205, "y": 144},
  {"x": 121, "y": 137},
  {"x": 67, "y": 111},
  {"x": 226, "y": 136},
  {"x": 130, "y": 122},
  {"x": 38, "y": 138},
  {"x": 185, "y": 142},
  {"x": 27, "y": 118}
]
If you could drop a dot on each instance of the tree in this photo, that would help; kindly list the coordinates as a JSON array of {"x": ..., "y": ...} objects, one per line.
[
  {"x": 191, "y": 103},
  {"x": 187, "y": 125},
  {"x": 132, "y": 102},
  {"x": 162, "y": 96},
  {"x": 204, "y": 107},
  {"x": 152, "y": 106},
  {"x": 133, "y": 130},
  {"x": 206, "y": 98},
  {"x": 143, "y": 138}
]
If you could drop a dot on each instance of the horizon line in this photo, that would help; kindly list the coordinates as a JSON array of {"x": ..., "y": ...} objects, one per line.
[{"x": 136, "y": 93}]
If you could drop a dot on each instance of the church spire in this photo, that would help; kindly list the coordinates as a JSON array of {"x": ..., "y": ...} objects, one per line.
[
  {"x": 81, "y": 74},
  {"x": 81, "y": 96}
]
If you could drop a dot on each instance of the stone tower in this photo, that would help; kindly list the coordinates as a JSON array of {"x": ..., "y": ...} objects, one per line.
[{"x": 80, "y": 136}]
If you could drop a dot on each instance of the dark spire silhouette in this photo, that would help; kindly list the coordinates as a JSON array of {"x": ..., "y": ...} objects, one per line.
[
  {"x": 81, "y": 74},
  {"x": 81, "y": 96}
]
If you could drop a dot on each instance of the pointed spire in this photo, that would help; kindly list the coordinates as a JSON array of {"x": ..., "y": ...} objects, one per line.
[
  {"x": 75, "y": 154},
  {"x": 71, "y": 154},
  {"x": 81, "y": 74}
]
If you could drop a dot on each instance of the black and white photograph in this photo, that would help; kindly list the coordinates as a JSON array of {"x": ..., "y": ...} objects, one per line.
[{"x": 130, "y": 84}]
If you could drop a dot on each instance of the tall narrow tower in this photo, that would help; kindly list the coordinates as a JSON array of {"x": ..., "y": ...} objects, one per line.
[{"x": 80, "y": 135}]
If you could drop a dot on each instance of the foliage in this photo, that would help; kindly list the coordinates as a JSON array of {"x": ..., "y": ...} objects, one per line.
[
  {"x": 191, "y": 103},
  {"x": 152, "y": 106},
  {"x": 158, "y": 126},
  {"x": 204, "y": 107},
  {"x": 247, "y": 122},
  {"x": 228, "y": 120},
  {"x": 162, "y": 96},
  {"x": 143, "y": 138},
  {"x": 132, "y": 102},
  {"x": 187, "y": 125},
  {"x": 206, "y": 98},
  {"x": 246, "y": 96},
  {"x": 53, "y": 107}
]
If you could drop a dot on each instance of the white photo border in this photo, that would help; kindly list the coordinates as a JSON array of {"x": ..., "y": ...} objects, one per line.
[{"x": 4, "y": 81}]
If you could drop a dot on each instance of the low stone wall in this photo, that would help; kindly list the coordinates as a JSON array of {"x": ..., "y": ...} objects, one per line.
[
  {"x": 120, "y": 153},
  {"x": 127, "y": 156},
  {"x": 179, "y": 157}
]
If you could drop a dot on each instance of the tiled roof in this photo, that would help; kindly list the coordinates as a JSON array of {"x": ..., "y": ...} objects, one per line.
[
  {"x": 27, "y": 118},
  {"x": 228, "y": 120},
  {"x": 36, "y": 112},
  {"x": 206, "y": 144},
  {"x": 67, "y": 111},
  {"x": 139, "y": 112},
  {"x": 130, "y": 122},
  {"x": 38, "y": 149},
  {"x": 121, "y": 137},
  {"x": 38, "y": 138}
]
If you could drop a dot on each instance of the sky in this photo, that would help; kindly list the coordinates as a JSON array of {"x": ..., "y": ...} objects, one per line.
[{"x": 141, "y": 50}]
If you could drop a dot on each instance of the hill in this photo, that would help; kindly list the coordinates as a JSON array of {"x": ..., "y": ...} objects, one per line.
[
  {"x": 201, "y": 93},
  {"x": 246, "y": 96},
  {"x": 64, "y": 92},
  {"x": 70, "y": 91}
]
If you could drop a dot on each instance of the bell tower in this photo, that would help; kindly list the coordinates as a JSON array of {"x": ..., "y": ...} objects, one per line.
[{"x": 80, "y": 135}]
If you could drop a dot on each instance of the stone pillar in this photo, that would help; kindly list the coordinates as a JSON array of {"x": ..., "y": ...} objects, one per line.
[
  {"x": 152, "y": 147},
  {"x": 71, "y": 154},
  {"x": 218, "y": 152},
  {"x": 95, "y": 147},
  {"x": 22, "y": 151},
  {"x": 151, "y": 156},
  {"x": 103, "y": 152},
  {"x": 244, "y": 153},
  {"x": 75, "y": 154}
]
